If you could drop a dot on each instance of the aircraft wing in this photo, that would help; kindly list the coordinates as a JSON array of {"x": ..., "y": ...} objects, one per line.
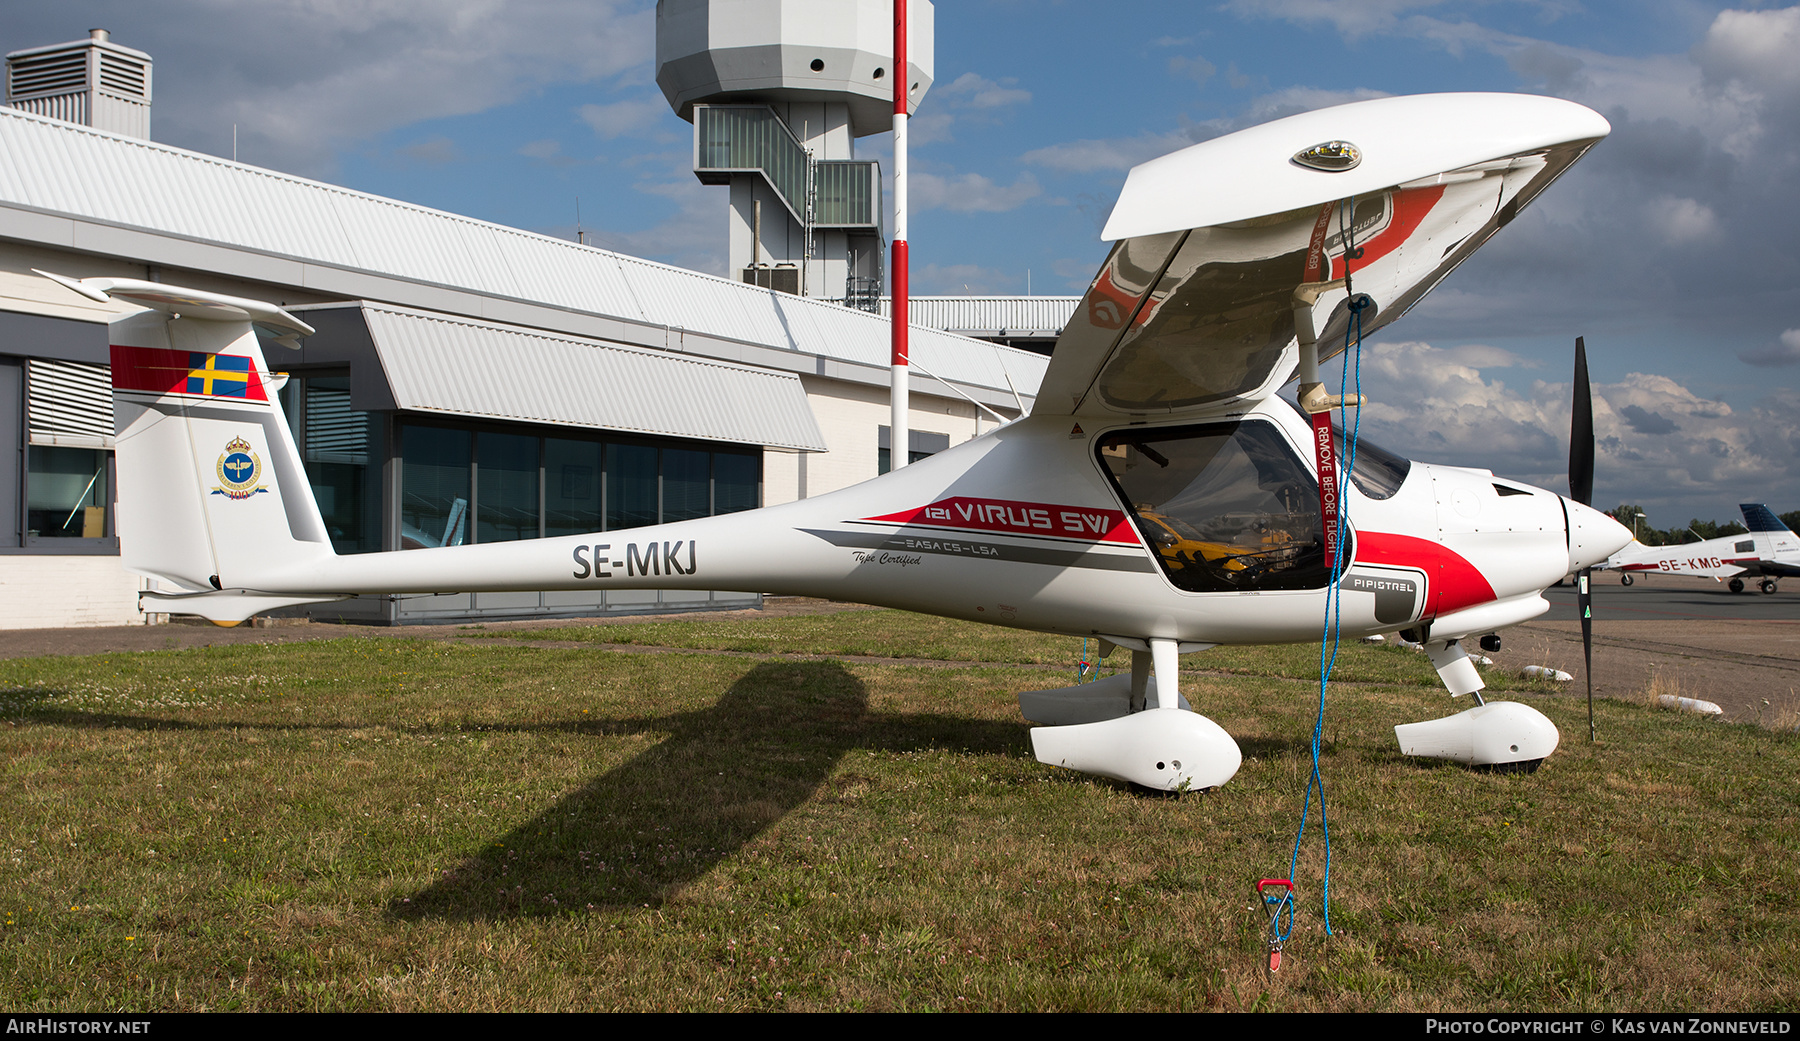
[{"x": 1229, "y": 250}]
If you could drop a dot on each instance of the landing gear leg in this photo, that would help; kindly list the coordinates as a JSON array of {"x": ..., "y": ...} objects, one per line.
[
  {"x": 1168, "y": 668},
  {"x": 1140, "y": 679},
  {"x": 1137, "y": 729},
  {"x": 1502, "y": 735}
]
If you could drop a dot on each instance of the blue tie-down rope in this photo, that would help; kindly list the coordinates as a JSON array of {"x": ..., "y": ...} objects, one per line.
[{"x": 1329, "y": 642}]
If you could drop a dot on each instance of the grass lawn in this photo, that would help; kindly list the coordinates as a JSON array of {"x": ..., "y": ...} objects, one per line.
[{"x": 437, "y": 825}]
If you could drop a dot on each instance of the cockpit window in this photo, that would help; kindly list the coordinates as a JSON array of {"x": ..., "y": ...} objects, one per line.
[
  {"x": 1377, "y": 473},
  {"x": 1226, "y": 507}
]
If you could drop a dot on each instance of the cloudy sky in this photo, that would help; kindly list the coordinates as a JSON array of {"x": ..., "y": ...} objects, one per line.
[{"x": 1672, "y": 247}]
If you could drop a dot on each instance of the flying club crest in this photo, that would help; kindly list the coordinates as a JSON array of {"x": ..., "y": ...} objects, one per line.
[{"x": 238, "y": 469}]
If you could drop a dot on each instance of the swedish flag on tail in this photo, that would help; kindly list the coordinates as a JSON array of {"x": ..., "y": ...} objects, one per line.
[{"x": 210, "y": 484}]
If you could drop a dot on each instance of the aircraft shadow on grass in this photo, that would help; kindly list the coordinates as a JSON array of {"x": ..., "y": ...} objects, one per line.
[{"x": 642, "y": 832}]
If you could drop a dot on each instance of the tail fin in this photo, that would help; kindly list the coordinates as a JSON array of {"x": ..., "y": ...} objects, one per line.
[
  {"x": 210, "y": 483},
  {"x": 1758, "y": 517}
]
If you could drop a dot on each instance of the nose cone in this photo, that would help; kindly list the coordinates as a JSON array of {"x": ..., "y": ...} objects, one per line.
[{"x": 1593, "y": 536}]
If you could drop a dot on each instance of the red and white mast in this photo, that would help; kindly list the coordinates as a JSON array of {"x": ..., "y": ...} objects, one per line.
[{"x": 899, "y": 439}]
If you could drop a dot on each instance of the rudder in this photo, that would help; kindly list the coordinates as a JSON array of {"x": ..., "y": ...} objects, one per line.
[
  {"x": 210, "y": 483},
  {"x": 1758, "y": 517}
]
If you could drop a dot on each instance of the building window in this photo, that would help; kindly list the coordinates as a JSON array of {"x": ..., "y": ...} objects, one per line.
[
  {"x": 56, "y": 461},
  {"x": 923, "y": 444},
  {"x": 572, "y": 486},
  {"x": 341, "y": 448},
  {"x": 631, "y": 499},
  {"x": 737, "y": 482},
  {"x": 506, "y": 493},
  {"x": 686, "y": 484},
  {"x": 460, "y": 485},
  {"x": 435, "y": 482},
  {"x": 66, "y": 493}
]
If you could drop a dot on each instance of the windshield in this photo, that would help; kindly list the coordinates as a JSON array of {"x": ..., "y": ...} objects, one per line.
[
  {"x": 1376, "y": 472},
  {"x": 1226, "y": 507}
]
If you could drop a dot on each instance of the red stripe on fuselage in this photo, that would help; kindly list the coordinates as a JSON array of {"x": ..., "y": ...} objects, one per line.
[
  {"x": 1019, "y": 518},
  {"x": 1452, "y": 582}
]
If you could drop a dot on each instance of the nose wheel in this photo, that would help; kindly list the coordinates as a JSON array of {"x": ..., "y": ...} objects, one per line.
[{"x": 1502, "y": 736}]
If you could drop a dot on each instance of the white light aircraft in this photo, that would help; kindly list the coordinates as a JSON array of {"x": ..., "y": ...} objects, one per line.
[
  {"x": 1159, "y": 496},
  {"x": 1769, "y": 549}
]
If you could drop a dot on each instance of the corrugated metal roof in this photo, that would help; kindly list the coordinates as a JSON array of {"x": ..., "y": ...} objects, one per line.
[
  {"x": 439, "y": 364},
  {"x": 76, "y": 171},
  {"x": 990, "y": 315}
]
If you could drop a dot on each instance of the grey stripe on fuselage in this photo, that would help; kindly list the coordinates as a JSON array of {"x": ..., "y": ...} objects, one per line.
[{"x": 921, "y": 540}]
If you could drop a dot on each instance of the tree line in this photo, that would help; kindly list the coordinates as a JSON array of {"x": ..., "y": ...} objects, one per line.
[{"x": 1634, "y": 517}]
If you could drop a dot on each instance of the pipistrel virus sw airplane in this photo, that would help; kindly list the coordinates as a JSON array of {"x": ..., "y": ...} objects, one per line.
[
  {"x": 1769, "y": 550},
  {"x": 1159, "y": 497}
]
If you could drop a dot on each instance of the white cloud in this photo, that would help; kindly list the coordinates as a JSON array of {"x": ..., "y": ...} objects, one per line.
[
  {"x": 1782, "y": 354},
  {"x": 692, "y": 237},
  {"x": 1195, "y": 68},
  {"x": 302, "y": 78},
  {"x": 1683, "y": 221},
  {"x": 1097, "y": 154},
  {"x": 1093, "y": 155},
  {"x": 619, "y": 118},
  {"x": 972, "y": 91},
  {"x": 1295, "y": 100},
  {"x": 435, "y": 151},
  {"x": 1353, "y": 18},
  {"x": 927, "y": 127},
  {"x": 961, "y": 279},
  {"x": 1696, "y": 455},
  {"x": 969, "y": 192},
  {"x": 969, "y": 98},
  {"x": 1755, "y": 49}
]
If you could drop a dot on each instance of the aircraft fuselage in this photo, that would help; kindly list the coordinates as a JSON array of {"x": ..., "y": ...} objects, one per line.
[{"x": 1039, "y": 525}]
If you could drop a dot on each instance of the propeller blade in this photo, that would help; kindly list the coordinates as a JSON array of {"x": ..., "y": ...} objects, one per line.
[
  {"x": 1581, "y": 432},
  {"x": 1581, "y": 489}
]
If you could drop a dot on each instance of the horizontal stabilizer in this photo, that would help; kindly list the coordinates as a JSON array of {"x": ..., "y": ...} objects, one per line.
[
  {"x": 226, "y": 606},
  {"x": 190, "y": 303}
]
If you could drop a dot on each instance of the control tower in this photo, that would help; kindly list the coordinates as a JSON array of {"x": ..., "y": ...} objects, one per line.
[{"x": 778, "y": 90}]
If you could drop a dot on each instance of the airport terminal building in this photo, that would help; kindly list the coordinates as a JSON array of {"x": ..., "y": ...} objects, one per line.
[{"x": 468, "y": 382}]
